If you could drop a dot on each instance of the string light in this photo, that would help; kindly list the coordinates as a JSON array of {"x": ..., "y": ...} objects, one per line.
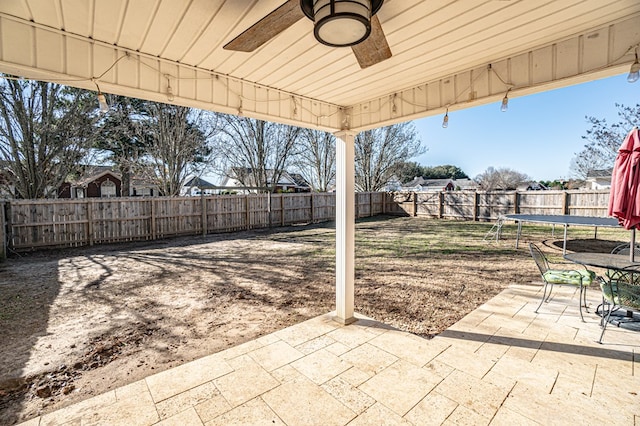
[
  {"x": 394, "y": 108},
  {"x": 102, "y": 100},
  {"x": 634, "y": 72},
  {"x": 505, "y": 101},
  {"x": 170, "y": 96},
  {"x": 445, "y": 122}
]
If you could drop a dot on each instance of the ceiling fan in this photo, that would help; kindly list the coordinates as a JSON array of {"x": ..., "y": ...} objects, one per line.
[{"x": 337, "y": 23}]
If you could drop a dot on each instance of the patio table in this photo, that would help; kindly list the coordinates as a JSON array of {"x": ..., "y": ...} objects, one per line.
[
  {"x": 603, "y": 260},
  {"x": 565, "y": 220}
]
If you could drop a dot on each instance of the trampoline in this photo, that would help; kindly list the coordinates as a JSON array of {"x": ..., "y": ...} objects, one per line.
[{"x": 564, "y": 220}]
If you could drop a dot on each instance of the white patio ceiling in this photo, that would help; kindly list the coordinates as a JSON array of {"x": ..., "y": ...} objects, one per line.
[{"x": 442, "y": 51}]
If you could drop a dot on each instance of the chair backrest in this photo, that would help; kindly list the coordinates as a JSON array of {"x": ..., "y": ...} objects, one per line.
[
  {"x": 539, "y": 258},
  {"x": 625, "y": 249},
  {"x": 629, "y": 296},
  {"x": 630, "y": 275}
]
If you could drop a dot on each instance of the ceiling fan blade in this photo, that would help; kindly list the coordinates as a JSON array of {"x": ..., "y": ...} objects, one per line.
[
  {"x": 375, "y": 48},
  {"x": 268, "y": 27}
]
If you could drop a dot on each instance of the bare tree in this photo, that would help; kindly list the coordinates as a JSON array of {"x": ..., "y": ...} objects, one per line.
[
  {"x": 254, "y": 152},
  {"x": 500, "y": 179},
  {"x": 176, "y": 145},
  {"x": 381, "y": 153},
  {"x": 316, "y": 160},
  {"x": 604, "y": 139},
  {"x": 45, "y": 130},
  {"x": 119, "y": 135}
]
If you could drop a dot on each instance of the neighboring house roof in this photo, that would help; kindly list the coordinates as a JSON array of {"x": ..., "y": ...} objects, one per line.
[
  {"x": 199, "y": 183},
  {"x": 140, "y": 181},
  {"x": 466, "y": 184},
  {"x": 238, "y": 174},
  {"x": 531, "y": 186},
  {"x": 87, "y": 179},
  {"x": 598, "y": 179},
  {"x": 299, "y": 180},
  {"x": 599, "y": 174},
  {"x": 91, "y": 172},
  {"x": 420, "y": 183}
]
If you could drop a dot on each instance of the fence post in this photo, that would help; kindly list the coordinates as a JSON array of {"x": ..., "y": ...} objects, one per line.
[
  {"x": 90, "y": 220},
  {"x": 441, "y": 205},
  {"x": 153, "y": 219},
  {"x": 247, "y": 212},
  {"x": 565, "y": 203},
  {"x": 384, "y": 202},
  {"x": 516, "y": 203},
  {"x": 8, "y": 216},
  {"x": 414, "y": 204},
  {"x": 269, "y": 208},
  {"x": 312, "y": 213},
  {"x": 282, "y": 209},
  {"x": 3, "y": 231},
  {"x": 476, "y": 202},
  {"x": 371, "y": 204},
  {"x": 203, "y": 206}
]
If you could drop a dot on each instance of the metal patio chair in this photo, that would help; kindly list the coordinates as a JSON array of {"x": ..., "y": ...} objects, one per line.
[
  {"x": 577, "y": 276},
  {"x": 626, "y": 249},
  {"x": 620, "y": 291}
]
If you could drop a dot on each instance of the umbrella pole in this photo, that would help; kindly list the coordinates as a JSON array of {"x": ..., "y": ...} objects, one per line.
[{"x": 632, "y": 250}]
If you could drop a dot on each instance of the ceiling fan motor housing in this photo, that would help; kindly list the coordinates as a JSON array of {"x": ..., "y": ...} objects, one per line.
[{"x": 341, "y": 23}]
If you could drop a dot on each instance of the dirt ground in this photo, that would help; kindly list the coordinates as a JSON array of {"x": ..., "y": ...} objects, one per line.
[{"x": 77, "y": 322}]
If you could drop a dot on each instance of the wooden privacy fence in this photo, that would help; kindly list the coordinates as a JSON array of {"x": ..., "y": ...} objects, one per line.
[
  {"x": 34, "y": 224},
  {"x": 489, "y": 205}
]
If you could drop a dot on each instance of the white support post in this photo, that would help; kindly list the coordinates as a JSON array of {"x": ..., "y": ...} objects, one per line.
[{"x": 345, "y": 226}]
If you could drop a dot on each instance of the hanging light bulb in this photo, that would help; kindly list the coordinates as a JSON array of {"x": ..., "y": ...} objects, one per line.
[
  {"x": 445, "y": 122},
  {"x": 170, "y": 96},
  {"x": 634, "y": 72},
  {"x": 102, "y": 100},
  {"x": 505, "y": 102}
]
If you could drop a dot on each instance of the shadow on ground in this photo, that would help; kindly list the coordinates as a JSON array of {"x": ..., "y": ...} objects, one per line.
[{"x": 24, "y": 319}]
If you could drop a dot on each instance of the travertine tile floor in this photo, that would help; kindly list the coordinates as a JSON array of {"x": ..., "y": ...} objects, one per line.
[{"x": 501, "y": 364}]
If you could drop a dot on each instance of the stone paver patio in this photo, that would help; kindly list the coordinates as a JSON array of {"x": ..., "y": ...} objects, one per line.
[{"x": 501, "y": 364}]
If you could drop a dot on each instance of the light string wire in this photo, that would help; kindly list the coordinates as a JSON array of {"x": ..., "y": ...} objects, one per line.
[
  {"x": 220, "y": 78},
  {"x": 338, "y": 109},
  {"x": 509, "y": 86}
]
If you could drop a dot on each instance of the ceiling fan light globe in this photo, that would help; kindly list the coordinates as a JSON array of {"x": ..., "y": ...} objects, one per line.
[{"x": 340, "y": 23}]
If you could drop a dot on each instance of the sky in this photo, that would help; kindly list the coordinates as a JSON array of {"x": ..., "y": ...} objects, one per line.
[{"x": 538, "y": 135}]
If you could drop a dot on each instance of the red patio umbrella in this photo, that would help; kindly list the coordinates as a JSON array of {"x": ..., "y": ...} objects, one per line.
[{"x": 624, "y": 197}]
